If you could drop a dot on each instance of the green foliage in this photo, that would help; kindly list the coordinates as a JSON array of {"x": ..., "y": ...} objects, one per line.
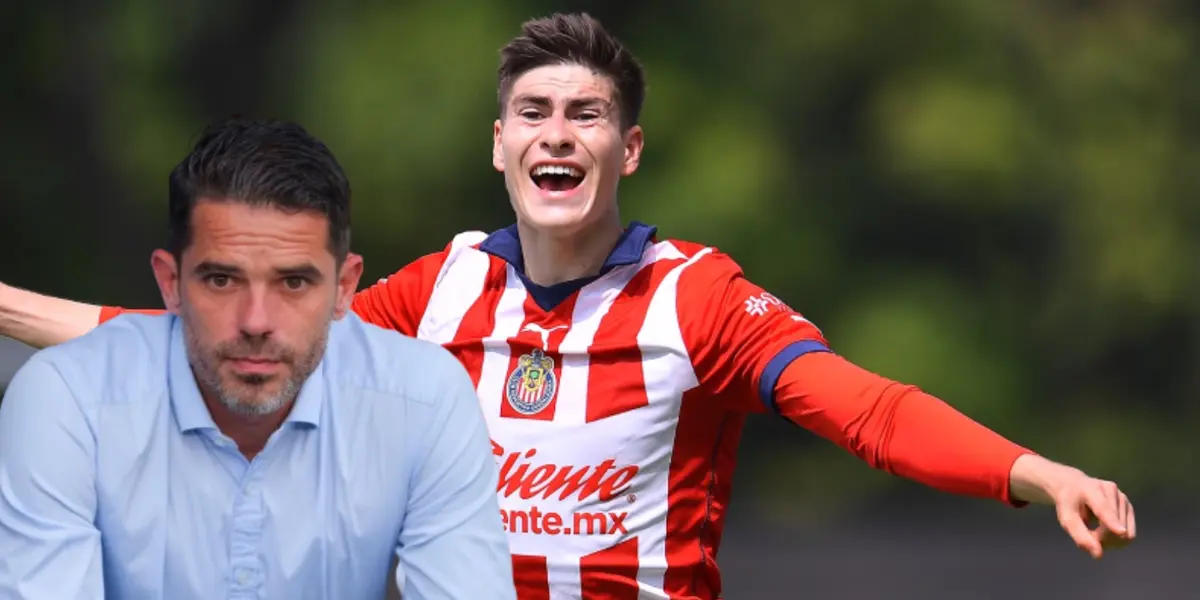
[{"x": 995, "y": 201}]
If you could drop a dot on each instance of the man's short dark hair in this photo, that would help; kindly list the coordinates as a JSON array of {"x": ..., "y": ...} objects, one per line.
[
  {"x": 261, "y": 163},
  {"x": 574, "y": 39}
]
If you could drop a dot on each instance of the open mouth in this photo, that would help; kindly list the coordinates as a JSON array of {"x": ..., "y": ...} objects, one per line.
[{"x": 556, "y": 178}]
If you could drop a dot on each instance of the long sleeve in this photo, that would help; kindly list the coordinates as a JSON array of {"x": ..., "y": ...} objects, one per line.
[
  {"x": 453, "y": 545},
  {"x": 49, "y": 547},
  {"x": 896, "y": 428}
]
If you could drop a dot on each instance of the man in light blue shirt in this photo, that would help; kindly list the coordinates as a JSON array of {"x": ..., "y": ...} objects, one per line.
[{"x": 259, "y": 441}]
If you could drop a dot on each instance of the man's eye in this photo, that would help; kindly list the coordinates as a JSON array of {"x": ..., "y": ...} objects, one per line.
[
  {"x": 530, "y": 114},
  {"x": 295, "y": 283},
  {"x": 218, "y": 281},
  {"x": 587, "y": 116}
]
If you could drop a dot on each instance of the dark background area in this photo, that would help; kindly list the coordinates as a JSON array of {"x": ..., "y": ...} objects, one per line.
[{"x": 997, "y": 201}]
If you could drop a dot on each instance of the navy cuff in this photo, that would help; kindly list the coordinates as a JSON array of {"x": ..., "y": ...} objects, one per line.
[{"x": 774, "y": 369}]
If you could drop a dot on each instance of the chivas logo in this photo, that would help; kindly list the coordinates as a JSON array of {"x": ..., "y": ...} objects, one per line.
[{"x": 531, "y": 385}]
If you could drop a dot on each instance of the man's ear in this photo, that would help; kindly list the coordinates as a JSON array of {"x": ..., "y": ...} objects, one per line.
[
  {"x": 348, "y": 277},
  {"x": 166, "y": 273}
]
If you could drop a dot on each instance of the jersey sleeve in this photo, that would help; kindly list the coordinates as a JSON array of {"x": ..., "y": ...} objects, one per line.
[
  {"x": 398, "y": 302},
  {"x": 740, "y": 337},
  {"x": 897, "y": 428}
]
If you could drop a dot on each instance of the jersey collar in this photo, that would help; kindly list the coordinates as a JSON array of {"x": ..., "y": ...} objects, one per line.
[{"x": 506, "y": 244}]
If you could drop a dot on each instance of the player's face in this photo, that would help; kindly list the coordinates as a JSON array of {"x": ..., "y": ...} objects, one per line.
[
  {"x": 562, "y": 149},
  {"x": 256, "y": 289}
]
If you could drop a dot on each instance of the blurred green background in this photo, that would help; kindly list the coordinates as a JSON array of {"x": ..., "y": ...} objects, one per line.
[{"x": 997, "y": 201}]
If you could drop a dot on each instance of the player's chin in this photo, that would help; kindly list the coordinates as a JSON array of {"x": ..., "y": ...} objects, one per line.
[{"x": 556, "y": 213}]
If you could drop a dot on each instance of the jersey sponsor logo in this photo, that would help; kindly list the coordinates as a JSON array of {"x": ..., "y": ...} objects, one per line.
[
  {"x": 762, "y": 303},
  {"x": 522, "y": 478},
  {"x": 532, "y": 384}
]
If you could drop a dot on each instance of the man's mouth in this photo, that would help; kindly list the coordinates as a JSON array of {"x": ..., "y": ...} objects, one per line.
[{"x": 556, "y": 178}]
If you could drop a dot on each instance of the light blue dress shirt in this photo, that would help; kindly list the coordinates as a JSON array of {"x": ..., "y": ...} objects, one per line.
[{"x": 115, "y": 483}]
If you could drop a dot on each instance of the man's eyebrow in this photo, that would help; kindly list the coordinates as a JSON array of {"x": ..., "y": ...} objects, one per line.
[
  {"x": 209, "y": 267},
  {"x": 307, "y": 270}
]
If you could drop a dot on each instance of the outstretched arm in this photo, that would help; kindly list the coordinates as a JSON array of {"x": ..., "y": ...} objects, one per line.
[
  {"x": 902, "y": 430},
  {"x": 40, "y": 320},
  {"x": 758, "y": 354}
]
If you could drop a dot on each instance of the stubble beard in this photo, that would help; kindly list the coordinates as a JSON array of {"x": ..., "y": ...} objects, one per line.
[{"x": 205, "y": 365}]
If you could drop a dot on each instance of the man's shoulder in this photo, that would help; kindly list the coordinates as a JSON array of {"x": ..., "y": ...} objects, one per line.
[
  {"x": 387, "y": 361},
  {"x": 126, "y": 353}
]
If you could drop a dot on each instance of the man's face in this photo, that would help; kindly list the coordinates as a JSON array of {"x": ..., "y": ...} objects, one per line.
[
  {"x": 256, "y": 289},
  {"x": 562, "y": 149}
]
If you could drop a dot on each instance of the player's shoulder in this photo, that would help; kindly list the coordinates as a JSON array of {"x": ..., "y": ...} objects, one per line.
[
  {"x": 382, "y": 360},
  {"x": 119, "y": 361},
  {"x": 704, "y": 262}
]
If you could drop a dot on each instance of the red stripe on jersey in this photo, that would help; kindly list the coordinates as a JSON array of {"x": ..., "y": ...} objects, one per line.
[
  {"x": 467, "y": 345},
  {"x": 698, "y": 486},
  {"x": 616, "y": 383},
  {"x": 531, "y": 577},
  {"x": 538, "y": 338},
  {"x": 611, "y": 573}
]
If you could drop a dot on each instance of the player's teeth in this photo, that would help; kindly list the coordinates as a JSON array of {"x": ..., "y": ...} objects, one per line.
[{"x": 557, "y": 170}]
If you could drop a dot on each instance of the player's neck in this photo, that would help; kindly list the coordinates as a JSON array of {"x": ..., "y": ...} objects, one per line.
[
  {"x": 551, "y": 259},
  {"x": 250, "y": 433}
]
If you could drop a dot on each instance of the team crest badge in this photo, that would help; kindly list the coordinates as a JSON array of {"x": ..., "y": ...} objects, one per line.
[{"x": 531, "y": 385}]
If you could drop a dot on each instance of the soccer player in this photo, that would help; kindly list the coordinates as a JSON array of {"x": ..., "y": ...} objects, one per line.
[
  {"x": 232, "y": 449},
  {"x": 616, "y": 367}
]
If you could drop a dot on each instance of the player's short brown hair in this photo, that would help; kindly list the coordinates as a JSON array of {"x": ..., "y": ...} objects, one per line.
[{"x": 575, "y": 38}]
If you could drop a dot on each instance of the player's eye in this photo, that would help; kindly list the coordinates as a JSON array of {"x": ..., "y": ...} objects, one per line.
[
  {"x": 530, "y": 114},
  {"x": 588, "y": 116}
]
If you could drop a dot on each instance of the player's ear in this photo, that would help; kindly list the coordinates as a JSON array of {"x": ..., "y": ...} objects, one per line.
[
  {"x": 497, "y": 148},
  {"x": 166, "y": 273},
  {"x": 348, "y": 278},
  {"x": 633, "y": 150}
]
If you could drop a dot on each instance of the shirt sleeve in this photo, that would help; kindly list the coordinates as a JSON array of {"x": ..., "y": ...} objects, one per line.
[
  {"x": 740, "y": 336},
  {"x": 452, "y": 544},
  {"x": 49, "y": 547},
  {"x": 897, "y": 428}
]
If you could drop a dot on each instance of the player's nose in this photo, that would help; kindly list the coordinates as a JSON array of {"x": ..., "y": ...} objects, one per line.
[{"x": 557, "y": 138}]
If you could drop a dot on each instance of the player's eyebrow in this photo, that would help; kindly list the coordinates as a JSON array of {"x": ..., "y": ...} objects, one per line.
[{"x": 574, "y": 103}]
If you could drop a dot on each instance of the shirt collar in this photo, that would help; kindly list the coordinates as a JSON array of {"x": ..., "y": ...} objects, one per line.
[
  {"x": 189, "y": 408},
  {"x": 506, "y": 244}
]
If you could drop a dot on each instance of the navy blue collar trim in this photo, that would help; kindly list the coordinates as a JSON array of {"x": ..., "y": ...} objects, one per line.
[{"x": 506, "y": 244}]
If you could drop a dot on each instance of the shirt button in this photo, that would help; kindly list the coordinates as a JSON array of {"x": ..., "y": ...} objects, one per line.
[{"x": 242, "y": 576}]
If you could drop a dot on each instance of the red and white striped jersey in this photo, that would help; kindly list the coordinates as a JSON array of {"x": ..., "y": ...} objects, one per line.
[{"x": 614, "y": 409}]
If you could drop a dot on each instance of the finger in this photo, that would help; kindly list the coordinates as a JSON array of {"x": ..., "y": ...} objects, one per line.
[
  {"x": 1104, "y": 507},
  {"x": 1130, "y": 521},
  {"x": 1072, "y": 523}
]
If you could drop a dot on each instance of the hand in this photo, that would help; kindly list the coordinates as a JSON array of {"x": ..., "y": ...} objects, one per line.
[{"x": 1094, "y": 512}]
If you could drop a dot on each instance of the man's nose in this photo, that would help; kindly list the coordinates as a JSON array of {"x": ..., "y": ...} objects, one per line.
[{"x": 255, "y": 319}]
